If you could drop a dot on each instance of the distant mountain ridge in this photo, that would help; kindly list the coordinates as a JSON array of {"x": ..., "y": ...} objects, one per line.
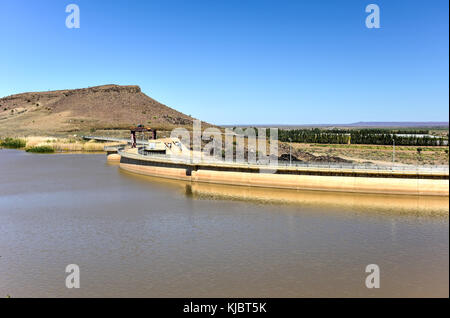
[
  {"x": 84, "y": 109},
  {"x": 430, "y": 124},
  {"x": 400, "y": 124}
]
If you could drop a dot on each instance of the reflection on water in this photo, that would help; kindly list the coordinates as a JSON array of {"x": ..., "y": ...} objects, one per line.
[
  {"x": 367, "y": 203},
  {"x": 355, "y": 201},
  {"x": 136, "y": 236}
]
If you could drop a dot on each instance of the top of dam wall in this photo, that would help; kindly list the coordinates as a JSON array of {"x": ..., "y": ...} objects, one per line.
[{"x": 358, "y": 170}]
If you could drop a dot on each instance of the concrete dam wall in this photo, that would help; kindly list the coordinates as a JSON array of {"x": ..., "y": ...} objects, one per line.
[{"x": 323, "y": 179}]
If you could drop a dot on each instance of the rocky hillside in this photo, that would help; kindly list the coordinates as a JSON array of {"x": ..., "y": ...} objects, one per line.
[{"x": 84, "y": 110}]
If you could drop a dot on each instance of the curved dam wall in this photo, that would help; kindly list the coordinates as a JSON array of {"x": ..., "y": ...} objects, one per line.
[{"x": 381, "y": 182}]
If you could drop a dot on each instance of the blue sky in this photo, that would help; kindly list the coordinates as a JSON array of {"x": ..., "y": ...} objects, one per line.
[{"x": 240, "y": 62}]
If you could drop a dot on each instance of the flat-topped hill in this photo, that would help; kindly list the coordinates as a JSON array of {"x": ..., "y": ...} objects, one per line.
[{"x": 81, "y": 110}]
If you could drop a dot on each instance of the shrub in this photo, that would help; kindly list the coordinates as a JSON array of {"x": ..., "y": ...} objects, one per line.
[
  {"x": 13, "y": 143},
  {"x": 41, "y": 149}
]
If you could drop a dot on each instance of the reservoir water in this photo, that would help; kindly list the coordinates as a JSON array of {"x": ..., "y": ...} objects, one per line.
[{"x": 134, "y": 236}]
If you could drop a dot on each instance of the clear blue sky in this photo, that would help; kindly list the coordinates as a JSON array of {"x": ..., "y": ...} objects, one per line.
[{"x": 227, "y": 61}]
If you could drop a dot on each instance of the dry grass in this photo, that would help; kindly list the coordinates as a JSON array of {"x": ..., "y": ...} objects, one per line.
[
  {"x": 379, "y": 154},
  {"x": 66, "y": 144}
]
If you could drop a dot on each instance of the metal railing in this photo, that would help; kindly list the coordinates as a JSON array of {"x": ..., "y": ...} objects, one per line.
[{"x": 112, "y": 139}]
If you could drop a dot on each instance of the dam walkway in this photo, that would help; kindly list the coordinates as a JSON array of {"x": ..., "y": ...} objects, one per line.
[{"x": 112, "y": 139}]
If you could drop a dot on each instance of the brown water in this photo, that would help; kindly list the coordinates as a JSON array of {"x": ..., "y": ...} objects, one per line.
[{"x": 134, "y": 236}]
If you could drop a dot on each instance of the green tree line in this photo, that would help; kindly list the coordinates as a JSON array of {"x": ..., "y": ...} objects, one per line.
[{"x": 362, "y": 136}]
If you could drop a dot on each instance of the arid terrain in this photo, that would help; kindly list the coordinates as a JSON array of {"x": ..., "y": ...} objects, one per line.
[
  {"x": 79, "y": 111},
  {"x": 378, "y": 154},
  {"x": 110, "y": 110}
]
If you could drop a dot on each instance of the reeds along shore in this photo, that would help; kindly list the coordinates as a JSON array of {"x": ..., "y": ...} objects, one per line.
[{"x": 51, "y": 144}]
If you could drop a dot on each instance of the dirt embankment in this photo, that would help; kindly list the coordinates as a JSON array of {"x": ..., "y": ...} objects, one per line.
[{"x": 301, "y": 155}]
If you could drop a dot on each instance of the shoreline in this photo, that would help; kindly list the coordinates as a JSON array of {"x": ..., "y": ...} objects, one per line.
[
  {"x": 46, "y": 144},
  {"x": 61, "y": 152}
]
